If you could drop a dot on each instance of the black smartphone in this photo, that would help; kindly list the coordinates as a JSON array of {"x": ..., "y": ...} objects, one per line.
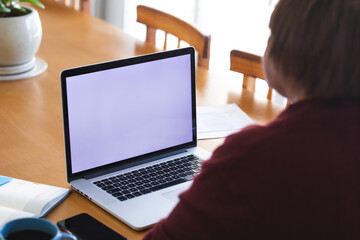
[{"x": 85, "y": 227}]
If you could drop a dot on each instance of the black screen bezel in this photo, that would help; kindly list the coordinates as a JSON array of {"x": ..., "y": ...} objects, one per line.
[{"x": 116, "y": 64}]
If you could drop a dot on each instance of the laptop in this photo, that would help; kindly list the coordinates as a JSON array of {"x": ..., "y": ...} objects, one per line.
[{"x": 130, "y": 133}]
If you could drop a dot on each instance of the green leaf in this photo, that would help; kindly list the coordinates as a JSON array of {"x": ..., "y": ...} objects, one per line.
[
  {"x": 3, "y": 8},
  {"x": 15, "y": 5},
  {"x": 20, "y": 9},
  {"x": 35, "y": 2}
]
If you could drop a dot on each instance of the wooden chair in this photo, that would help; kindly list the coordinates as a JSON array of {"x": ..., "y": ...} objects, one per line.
[
  {"x": 155, "y": 19},
  {"x": 251, "y": 67},
  {"x": 79, "y": 5}
]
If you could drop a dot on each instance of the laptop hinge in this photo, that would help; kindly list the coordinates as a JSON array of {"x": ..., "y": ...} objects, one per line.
[{"x": 132, "y": 164}]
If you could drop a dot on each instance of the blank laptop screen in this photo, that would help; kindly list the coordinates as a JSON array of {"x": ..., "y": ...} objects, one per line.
[{"x": 129, "y": 111}]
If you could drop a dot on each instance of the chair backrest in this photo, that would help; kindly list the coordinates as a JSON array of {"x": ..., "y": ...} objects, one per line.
[
  {"x": 155, "y": 19},
  {"x": 79, "y": 5},
  {"x": 250, "y": 66}
]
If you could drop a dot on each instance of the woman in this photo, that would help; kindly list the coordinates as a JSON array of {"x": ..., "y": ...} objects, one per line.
[{"x": 298, "y": 177}]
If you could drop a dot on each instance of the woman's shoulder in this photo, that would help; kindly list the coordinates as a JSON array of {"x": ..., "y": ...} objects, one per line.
[{"x": 299, "y": 126}]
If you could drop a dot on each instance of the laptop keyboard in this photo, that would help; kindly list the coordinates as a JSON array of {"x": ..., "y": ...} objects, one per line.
[{"x": 150, "y": 179}]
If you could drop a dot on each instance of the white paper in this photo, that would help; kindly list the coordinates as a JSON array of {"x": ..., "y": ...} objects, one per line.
[
  {"x": 8, "y": 214},
  {"x": 220, "y": 121}
]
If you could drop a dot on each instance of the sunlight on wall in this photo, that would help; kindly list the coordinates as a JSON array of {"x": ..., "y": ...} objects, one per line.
[{"x": 232, "y": 24}]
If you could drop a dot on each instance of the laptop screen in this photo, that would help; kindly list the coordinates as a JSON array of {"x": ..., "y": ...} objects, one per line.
[{"x": 126, "y": 111}]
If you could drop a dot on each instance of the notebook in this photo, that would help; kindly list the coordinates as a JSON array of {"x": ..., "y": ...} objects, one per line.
[{"x": 130, "y": 133}]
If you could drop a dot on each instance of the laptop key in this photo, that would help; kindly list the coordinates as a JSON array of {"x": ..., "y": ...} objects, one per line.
[
  {"x": 172, "y": 173},
  {"x": 118, "y": 194},
  {"x": 176, "y": 177},
  {"x": 141, "y": 188},
  {"x": 122, "y": 198},
  {"x": 114, "y": 190},
  {"x": 162, "y": 181},
  {"x": 129, "y": 196},
  {"x": 182, "y": 174},
  {"x": 121, "y": 177},
  {"x": 145, "y": 191},
  {"x": 124, "y": 187},
  {"x": 107, "y": 182},
  {"x": 136, "y": 194},
  {"x": 168, "y": 184},
  {"x": 107, "y": 187},
  {"x": 100, "y": 185},
  {"x": 169, "y": 179},
  {"x": 155, "y": 183},
  {"x": 138, "y": 183},
  {"x": 159, "y": 177},
  {"x": 126, "y": 192}
]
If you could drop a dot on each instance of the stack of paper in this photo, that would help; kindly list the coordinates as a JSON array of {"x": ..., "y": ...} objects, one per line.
[{"x": 220, "y": 121}]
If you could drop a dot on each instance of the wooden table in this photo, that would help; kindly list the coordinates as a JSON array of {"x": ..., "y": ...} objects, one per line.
[{"x": 31, "y": 130}]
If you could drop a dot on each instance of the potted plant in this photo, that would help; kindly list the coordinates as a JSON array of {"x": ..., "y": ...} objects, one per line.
[{"x": 20, "y": 36}]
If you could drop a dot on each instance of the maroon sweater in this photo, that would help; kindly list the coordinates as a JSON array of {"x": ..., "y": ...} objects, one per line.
[{"x": 296, "y": 178}]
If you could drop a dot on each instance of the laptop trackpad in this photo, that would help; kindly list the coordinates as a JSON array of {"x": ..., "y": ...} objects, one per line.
[{"x": 174, "y": 194}]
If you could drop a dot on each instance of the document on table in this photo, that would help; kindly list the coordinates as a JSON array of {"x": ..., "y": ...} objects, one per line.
[{"x": 220, "y": 121}]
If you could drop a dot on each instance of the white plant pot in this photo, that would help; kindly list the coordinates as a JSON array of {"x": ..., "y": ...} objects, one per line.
[{"x": 20, "y": 38}]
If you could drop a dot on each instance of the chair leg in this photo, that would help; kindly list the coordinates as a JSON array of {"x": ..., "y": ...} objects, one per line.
[
  {"x": 269, "y": 94},
  {"x": 150, "y": 35},
  {"x": 250, "y": 84},
  {"x": 245, "y": 80},
  {"x": 165, "y": 41},
  {"x": 203, "y": 62},
  {"x": 84, "y": 6}
]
